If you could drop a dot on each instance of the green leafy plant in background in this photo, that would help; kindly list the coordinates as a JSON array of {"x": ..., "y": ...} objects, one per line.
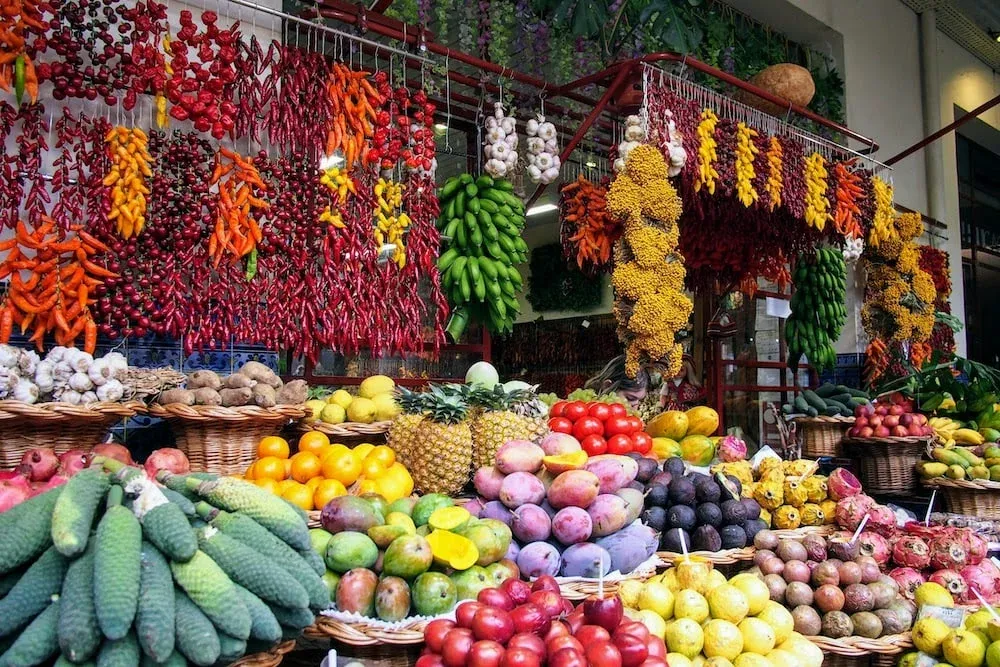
[{"x": 556, "y": 286}]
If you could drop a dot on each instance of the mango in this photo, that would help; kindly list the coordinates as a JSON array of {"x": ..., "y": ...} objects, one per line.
[
  {"x": 469, "y": 582},
  {"x": 433, "y": 594},
  {"x": 451, "y": 550},
  {"x": 383, "y": 536},
  {"x": 613, "y": 471},
  {"x": 995, "y": 473},
  {"x": 402, "y": 520},
  {"x": 378, "y": 502},
  {"x": 403, "y": 505},
  {"x": 392, "y": 599},
  {"x": 356, "y": 592},
  {"x": 503, "y": 570},
  {"x": 350, "y": 513},
  {"x": 350, "y": 550},
  {"x": 608, "y": 514},
  {"x": 979, "y": 472},
  {"x": 501, "y": 531},
  {"x": 992, "y": 451},
  {"x": 487, "y": 543},
  {"x": 563, "y": 462},
  {"x": 449, "y": 518},
  {"x": 424, "y": 507},
  {"x": 519, "y": 456},
  {"x": 577, "y": 488},
  {"x": 408, "y": 556},
  {"x": 956, "y": 472},
  {"x": 990, "y": 435}
]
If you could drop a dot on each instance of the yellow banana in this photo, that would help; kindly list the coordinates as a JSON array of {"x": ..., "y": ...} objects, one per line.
[{"x": 967, "y": 436}]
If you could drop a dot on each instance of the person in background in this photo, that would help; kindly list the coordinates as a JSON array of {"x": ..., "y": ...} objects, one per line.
[
  {"x": 684, "y": 390},
  {"x": 612, "y": 379}
]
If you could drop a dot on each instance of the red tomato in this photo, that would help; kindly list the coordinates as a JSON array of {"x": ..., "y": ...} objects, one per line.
[
  {"x": 617, "y": 424},
  {"x": 604, "y": 654},
  {"x": 558, "y": 409},
  {"x": 619, "y": 444},
  {"x": 567, "y": 657},
  {"x": 634, "y": 424},
  {"x": 561, "y": 425},
  {"x": 587, "y": 426},
  {"x": 521, "y": 657},
  {"x": 600, "y": 410},
  {"x": 642, "y": 442},
  {"x": 618, "y": 410},
  {"x": 435, "y": 632},
  {"x": 457, "y": 645},
  {"x": 595, "y": 445},
  {"x": 575, "y": 410},
  {"x": 486, "y": 653},
  {"x": 592, "y": 634}
]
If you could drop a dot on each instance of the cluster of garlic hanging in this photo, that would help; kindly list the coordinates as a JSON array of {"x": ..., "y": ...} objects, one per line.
[
  {"x": 66, "y": 374},
  {"x": 635, "y": 135},
  {"x": 853, "y": 247},
  {"x": 500, "y": 146},
  {"x": 543, "y": 151}
]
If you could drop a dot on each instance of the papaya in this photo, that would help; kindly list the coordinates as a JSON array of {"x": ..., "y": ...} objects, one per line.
[
  {"x": 697, "y": 450},
  {"x": 702, "y": 420},
  {"x": 672, "y": 424}
]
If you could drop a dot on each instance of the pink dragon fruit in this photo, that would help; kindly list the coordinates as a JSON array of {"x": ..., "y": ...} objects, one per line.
[
  {"x": 852, "y": 509},
  {"x": 842, "y": 483},
  {"x": 874, "y": 545},
  {"x": 952, "y": 581},
  {"x": 975, "y": 545},
  {"x": 948, "y": 552},
  {"x": 731, "y": 449},
  {"x": 980, "y": 578},
  {"x": 908, "y": 580},
  {"x": 882, "y": 520},
  {"x": 910, "y": 551}
]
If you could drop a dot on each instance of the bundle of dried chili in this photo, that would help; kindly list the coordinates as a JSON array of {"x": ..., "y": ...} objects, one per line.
[
  {"x": 31, "y": 144},
  {"x": 588, "y": 233}
]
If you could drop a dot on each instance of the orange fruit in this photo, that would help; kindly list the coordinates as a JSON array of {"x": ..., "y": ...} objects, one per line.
[
  {"x": 333, "y": 449},
  {"x": 342, "y": 467},
  {"x": 367, "y": 486},
  {"x": 249, "y": 474},
  {"x": 305, "y": 466},
  {"x": 285, "y": 484},
  {"x": 373, "y": 468},
  {"x": 363, "y": 450},
  {"x": 268, "y": 485},
  {"x": 300, "y": 496},
  {"x": 327, "y": 490},
  {"x": 288, "y": 468},
  {"x": 313, "y": 442},
  {"x": 314, "y": 482},
  {"x": 383, "y": 454},
  {"x": 270, "y": 467},
  {"x": 272, "y": 445}
]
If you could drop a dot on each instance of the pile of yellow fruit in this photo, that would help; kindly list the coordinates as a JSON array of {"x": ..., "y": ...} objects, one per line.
[
  {"x": 705, "y": 619},
  {"x": 321, "y": 471},
  {"x": 374, "y": 402},
  {"x": 789, "y": 494}
]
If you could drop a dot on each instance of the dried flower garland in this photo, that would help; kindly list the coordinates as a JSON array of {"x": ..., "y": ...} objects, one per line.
[
  {"x": 649, "y": 272},
  {"x": 746, "y": 153}
]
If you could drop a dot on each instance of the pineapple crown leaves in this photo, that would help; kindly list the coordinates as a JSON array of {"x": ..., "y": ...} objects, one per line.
[
  {"x": 498, "y": 399},
  {"x": 446, "y": 404},
  {"x": 411, "y": 402}
]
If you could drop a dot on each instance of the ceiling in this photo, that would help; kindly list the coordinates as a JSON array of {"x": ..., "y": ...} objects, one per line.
[{"x": 969, "y": 23}]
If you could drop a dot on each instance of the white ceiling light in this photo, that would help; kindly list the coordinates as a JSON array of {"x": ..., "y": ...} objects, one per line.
[{"x": 541, "y": 208}]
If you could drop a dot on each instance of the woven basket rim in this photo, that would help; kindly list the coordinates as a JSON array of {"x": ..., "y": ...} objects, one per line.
[
  {"x": 859, "y": 646},
  {"x": 722, "y": 557},
  {"x": 59, "y": 411},
  {"x": 908, "y": 440},
  {"x": 242, "y": 413},
  {"x": 270, "y": 658},
  {"x": 359, "y": 633},
  {"x": 963, "y": 484},
  {"x": 347, "y": 429}
]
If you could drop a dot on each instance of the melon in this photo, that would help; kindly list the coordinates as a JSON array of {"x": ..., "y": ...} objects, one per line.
[
  {"x": 785, "y": 80},
  {"x": 697, "y": 450},
  {"x": 671, "y": 424},
  {"x": 702, "y": 420}
]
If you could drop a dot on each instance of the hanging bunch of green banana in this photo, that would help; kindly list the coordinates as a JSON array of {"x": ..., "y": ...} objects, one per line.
[
  {"x": 818, "y": 310},
  {"x": 480, "y": 224}
]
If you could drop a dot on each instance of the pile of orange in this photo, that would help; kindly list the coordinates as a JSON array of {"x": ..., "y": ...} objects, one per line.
[{"x": 321, "y": 471}]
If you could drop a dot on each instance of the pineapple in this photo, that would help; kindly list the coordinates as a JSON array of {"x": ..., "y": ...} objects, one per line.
[
  {"x": 403, "y": 428},
  {"x": 440, "y": 447},
  {"x": 504, "y": 416}
]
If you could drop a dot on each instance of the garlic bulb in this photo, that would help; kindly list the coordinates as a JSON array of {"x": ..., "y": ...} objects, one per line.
[
  {"x": 675, "y": 147},
  {"x": 88, "y": 397},
  {"x": 635, "y": 134},
  {"x": 111, "y": 391},
  {"x": 853, "y": 247},
  {"x": 500, "y": 147},
  {"x": 9, "y": 356},
  {"x": 543, "y": 158},
  {"x": 25, "y": 391},
  {"x": 27, "y": 362},
  {"x": 80, "y": 382},
  {"x": 8, "y": 380},
  {"x": 71, "y": 397}
]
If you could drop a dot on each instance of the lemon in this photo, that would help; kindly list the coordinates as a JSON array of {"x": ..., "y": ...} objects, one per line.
[
  {"x": 333, "y": 414},
  {"x": 657, "y": 597},
  {"x": 964, "y": 649},
  {"x": 723, "y": 639},
  {"x": 929, "y": 633},
  {"x": 374, "y": 385},
  {"x": 653, "y": 622},
  {"x": 316, "y": 406},
  {"x": 386, "y": 407},
  {"x": 686, "y": 637},
  {"x": 361, "y": 410},
  {"x": 931, "y": 593},
  {"x": 340, "y": 397}
]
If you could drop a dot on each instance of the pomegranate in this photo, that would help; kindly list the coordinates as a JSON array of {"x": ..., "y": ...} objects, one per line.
[
  {"x": 13, "y": 493},
  {"x": 113, "y": 450},
  {"x": 39, "y": 464},
  {"x": 732, "y": 448},
  {"x": 952, "y": 581},
  {"x": 979, "y": 578},
  {"x": 169, "y": 459},
  {"x": 910, "y": 551},
  {"x": 842, "y": 484},
  {"x": 874, "y": 545},
  {"x": 73, "y": 461},
  {"x": 948, "y": 552},
  {"x": 882, "y": 520},
  {"x": 852, "y": 510},
  {"x": 908, "y": 579},
  {"x": 54, "y": 481}
]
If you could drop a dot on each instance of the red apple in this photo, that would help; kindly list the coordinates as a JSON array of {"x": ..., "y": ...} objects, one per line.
[
  {"x": 588, "y": 634},
  {"x": 633, "y": 628},
  {"x": 861, "y": 421},
  {"x": 632, "y": 648},
  {"x": 494, "y": 597},
  {"x": 866, "y": 432},
  {"x": 429, "y": 660},
  {"x": 604, "y": 654},
  {"x": 881, "y": 411},
  {"x": 896, "y": 409},
  {"x": 914, "y": 429},
  {"x": 890, "y": 421},
  {"x": 881, "y": 432},
  {"x": 494, "y": 624},
  {"x": 559, "y": 643},
  {"x": 435, "y": 632},
  {"x": 532, "y": 618},
  {"x": 875, "y": 421},
  {"x": 486, "y": 653},
  {"x": 557, "y": 629},
  {"x": 654, "y": 662},
  {"x": 656, "y": 647},
  {"x": 465, "y": 612},
  {"x": 527, "y": 640},
  {"x": 921, "y": 419},
  {"x": 899, "y": 431},
  {"x": 551, "y": 603},
  {"x": 567, "y": 657},
  {"x": 517, "y": 590},
  {"x": 520, "y": 657},
  {"x": 907, "y": 419},
  {"x": 457, "y": 645},
  {"x": 545, "y": 583},
  {"x": 604, "y": 611}
]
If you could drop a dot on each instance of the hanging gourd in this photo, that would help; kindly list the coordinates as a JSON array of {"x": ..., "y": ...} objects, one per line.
[
  {"x": 500, "y": 147},
  {"x": 543, "y": 151}
]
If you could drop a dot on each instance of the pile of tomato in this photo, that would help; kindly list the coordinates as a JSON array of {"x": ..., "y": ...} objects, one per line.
[{"x": 601, "y": 428}]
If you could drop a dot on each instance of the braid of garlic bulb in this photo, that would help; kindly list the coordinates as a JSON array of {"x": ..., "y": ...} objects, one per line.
[
  {"x": 500, "y": 147},
  {"x": 543, "y": 151}
]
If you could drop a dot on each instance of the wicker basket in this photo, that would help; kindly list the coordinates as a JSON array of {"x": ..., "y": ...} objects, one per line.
[
  {"x": 979, "y": 498},
  {"x": 223, "y": 440},
  {"x": 886, "y": 464},
  {"x": 580, "y": 589},
  {"x": 59, "y": 425},
  {"x": 347, "y": 429},
  {"x": 359, "y": 633},
  {"x": 862, "y": 647},
  {"x": 271, "y": 658},
  {"x": 724, "y": 557},
  {"x": 822, "y": 436}
]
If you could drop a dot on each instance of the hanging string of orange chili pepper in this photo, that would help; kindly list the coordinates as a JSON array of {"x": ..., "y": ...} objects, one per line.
[
  {"x": 130, "y": 167},
  {"x": 588, "y": 229},
  {"x": 876, "y": 361},
  {"x": 16, "y": 67},
  {"x": 353, "y": 101},
  {"x": 847, "y": 195},
  {"x": 236, "y": 229},
  {"x": 55, "y": 297}
]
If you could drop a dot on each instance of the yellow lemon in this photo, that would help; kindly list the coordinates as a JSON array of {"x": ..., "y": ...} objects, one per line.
[
  {"x": 361, "y": 411},
  {"x": 316, "y": 407},
  {"x": 333, "y": 414},
  {"x": 340, "y": 397},
  {"x": 386, "y": 407},
  {"x": 374, "y": 385}
]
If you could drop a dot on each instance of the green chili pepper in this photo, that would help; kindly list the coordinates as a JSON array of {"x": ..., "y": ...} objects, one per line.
[
  {"x": 252, "y": 264},
  {"x": 19, "y": 77}
]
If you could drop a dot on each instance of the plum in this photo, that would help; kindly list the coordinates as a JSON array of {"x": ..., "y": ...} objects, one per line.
[
  {"x": 571, "y": 525},
  {"x": 586, "y": 560},
  {"x": 521, "y": 488},
  {"x": 609, "y": 514},
  {"x": 531, "y": 524},
  {"x": 539, "y": 558}
]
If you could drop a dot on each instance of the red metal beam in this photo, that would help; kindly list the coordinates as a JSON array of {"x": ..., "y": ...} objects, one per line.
[{"x": 982, "y": 108}]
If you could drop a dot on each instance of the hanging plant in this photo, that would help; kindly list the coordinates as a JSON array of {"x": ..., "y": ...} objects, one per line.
[
  {"x": 503, "y": 25},
  {"x": 554, "y": 285}
]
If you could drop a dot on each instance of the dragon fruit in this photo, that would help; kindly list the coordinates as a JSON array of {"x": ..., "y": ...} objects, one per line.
[
  {"x": 975, "y": 545},
  {"x": 882, "y": 520},
  {"x": 952, "y": 581},
  {"x": 979, "y": 577},
  {"x": 852, "y": 509},
  {"x": 908, "y": 580},
  {"x": 732, "y": 449},
  {"x": 910, "y": 551},
  {"x": 948, "y": 552},
  {"x": 874, "y": 545},
  {"x": 842, "y": 484}
]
